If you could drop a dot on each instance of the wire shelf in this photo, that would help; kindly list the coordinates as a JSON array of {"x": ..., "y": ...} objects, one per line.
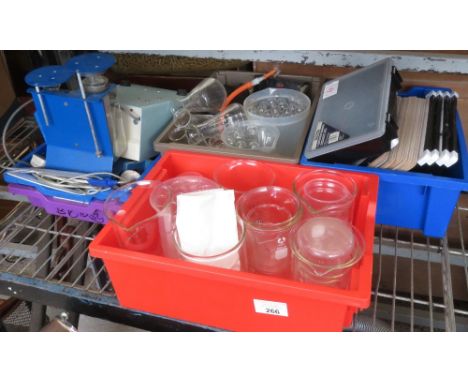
[
  {"x": 21, "y": 138},
  {"x": 412, "y": 286},
  {"x": 419, "y": 283},
  {"x": 54, "y": 249}
]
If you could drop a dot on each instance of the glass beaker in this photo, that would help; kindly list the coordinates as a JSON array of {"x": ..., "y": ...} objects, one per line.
[
  {"x": 137, "y": 228},
  {"x": 178, "y": 185},
  {"x": 269, "y": 214},
  {"x": 326, "y": 193},
  {"x": 236, "y": 130},
  {"x": 231, "y": 258},
  {"x": 203, "y": 129},
  {"x": 186, "y": 127},
  {"x": 242, "y": 175},
  {"x": 324, "y": 251}
]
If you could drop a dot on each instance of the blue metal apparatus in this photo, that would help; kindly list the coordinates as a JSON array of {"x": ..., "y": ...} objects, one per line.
[
  {"x": 73, "y": 123},
  {"x": 93, "y": 130}
]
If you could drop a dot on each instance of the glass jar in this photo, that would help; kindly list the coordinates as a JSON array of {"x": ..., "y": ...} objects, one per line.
[
  {"x": 230, "y": 258},
  {"x": 325, "y": 249},
  {"x": 188, "y": 182},
  {"x": 242, "y": 175},
  {"x": 326, "y": 193},
  {"x": 269, "y": 214}
]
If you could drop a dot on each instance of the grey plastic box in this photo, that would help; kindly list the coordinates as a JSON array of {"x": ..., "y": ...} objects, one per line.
[
  {"x": 355, "y": 114},
  {"x": 234, "y": 79}
]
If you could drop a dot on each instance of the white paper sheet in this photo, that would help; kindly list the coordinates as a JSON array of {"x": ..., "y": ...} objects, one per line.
[{"x": 206, "y": 223}]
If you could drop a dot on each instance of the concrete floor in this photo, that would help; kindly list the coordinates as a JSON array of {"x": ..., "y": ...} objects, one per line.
[{"x": 91, "y": 324}]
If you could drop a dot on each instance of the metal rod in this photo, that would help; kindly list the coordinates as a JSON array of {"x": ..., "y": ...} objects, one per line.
[
  {"x": 53, "y": 231},
  {"x": 429, "y": 280},
  {"x": 40, "y": 314},
  {"x": 395, "y": 280},
  {"x": 450, "y": 323},
  {"x": 417, "y": 301},
  {"x": 85, "y": 252},
  {"x": 82, "y": 273},
  {"x": 8, "y": 237},
  {"x": 68, "y": 256},
  {"x": 21, "y": 141},
  {"x": 379, "y": 274},
  {"x": 54, "y": 236},
  {"x": 423, "y": 246},
  {"x": 43, "y": 236},
  {"x": 108, "y": 283},
  {"x": 412, "y": 286},
  {"x": 41, "y": 102},
  {"x": 462, "y": 245},
  {"x": 29, "y": 209},
  {"x": 88, "y": 113},
  {"x": 77, "y": 260},
  {"x": 93, "y": 279}
]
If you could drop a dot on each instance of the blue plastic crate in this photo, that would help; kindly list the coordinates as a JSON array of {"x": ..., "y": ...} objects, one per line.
[{"x": 412, "y": 200}]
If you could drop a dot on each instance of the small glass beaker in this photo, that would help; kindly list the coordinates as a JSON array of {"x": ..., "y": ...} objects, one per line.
[
  {"x": 186, "y": 128},
  {"x": 326, "y": 193},
  {"x": 231, "y": 258},
  {"x": 137, "y": 228},
  {"x": 324, "y": 251},
  {"x": 269, "y": 214},
  {"x": 242, "y": 175}
]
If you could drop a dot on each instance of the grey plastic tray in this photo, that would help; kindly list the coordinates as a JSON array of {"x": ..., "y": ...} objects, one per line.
[
  {"x": 355, "y": 105},
  {"x": 234, "y": 79}
]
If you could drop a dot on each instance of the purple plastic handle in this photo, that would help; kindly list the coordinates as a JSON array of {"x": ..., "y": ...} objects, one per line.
[{"x": 91, "y": 212}]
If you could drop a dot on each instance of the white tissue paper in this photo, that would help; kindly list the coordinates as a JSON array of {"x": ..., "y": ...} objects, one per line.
[{"x": 206, "y": 223}]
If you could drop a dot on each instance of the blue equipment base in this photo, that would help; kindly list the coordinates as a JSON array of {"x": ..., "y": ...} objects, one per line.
[{"x": 121, "y": 165}]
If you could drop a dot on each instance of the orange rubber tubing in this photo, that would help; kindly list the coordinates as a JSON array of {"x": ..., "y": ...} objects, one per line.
[{"x": 246, "y": 86}]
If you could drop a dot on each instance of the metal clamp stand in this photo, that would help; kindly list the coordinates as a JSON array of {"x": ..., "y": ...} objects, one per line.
[{"x": 90, "y": 118}]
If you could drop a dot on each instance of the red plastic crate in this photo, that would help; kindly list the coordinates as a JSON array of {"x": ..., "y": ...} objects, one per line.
[{"x": 223, "y": 298}]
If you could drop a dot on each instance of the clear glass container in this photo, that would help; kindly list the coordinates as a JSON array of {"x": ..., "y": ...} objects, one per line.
[
  {"x": 242, "y": 175},
  {"x": 181, "y": 184},
  {"x": 186, "y": 128},
  {"x": 269, "y": 214},
  {"x": 231, "y": 258},
  {"x": 326, "y": 193},
  {"x": 236, "y": 130},
  {"x": 207, "y": 97},
  {"x": 325, "y": 249},
  {"x": 138, "y": 232},
  {"x": 230, "y": 127}
]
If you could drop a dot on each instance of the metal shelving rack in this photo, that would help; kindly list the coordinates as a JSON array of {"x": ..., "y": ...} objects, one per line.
[
  {"x": 44, "y": 259},
  {"x": 418, "y": 293}
]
